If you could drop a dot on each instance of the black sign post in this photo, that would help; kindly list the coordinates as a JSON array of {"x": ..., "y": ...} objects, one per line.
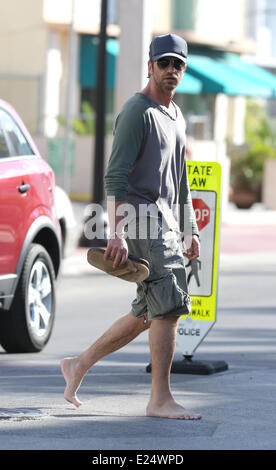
[
  {"x": 97, "y": 189},
  {"x": 99, "y": 150}
]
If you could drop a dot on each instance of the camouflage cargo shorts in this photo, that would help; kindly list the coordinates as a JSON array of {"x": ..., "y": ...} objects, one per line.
[{"x": 165, "y": 291}]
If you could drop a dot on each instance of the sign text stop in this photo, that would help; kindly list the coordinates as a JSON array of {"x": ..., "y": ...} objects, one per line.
[{"x": 202, "y": 213}]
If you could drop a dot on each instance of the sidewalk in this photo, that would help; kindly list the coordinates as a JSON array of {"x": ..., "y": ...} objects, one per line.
[{"x": 248, "y": 237}]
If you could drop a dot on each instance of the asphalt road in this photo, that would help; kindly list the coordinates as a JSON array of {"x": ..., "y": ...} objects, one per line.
[{"x": 237, "y": 405}]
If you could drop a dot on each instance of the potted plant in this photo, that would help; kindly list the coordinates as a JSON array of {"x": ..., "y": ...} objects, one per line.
[{"x": 247, "y": 164}]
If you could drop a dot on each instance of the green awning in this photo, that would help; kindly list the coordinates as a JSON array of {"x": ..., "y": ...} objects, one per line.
[
  {"x": 219, "y": 76},
  {"x": 218, "y": 73},
  {"x": 189, "y": 85},
  {"x": 252, "y": 72},
  {"x": 89, "y": 57}
]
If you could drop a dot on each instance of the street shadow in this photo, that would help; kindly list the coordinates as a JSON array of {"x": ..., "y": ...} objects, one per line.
[{"x": 104, "y": 431}]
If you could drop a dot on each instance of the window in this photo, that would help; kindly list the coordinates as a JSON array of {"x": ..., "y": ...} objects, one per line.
[
  {"x": 4, "y": 150},
  {"x": 184, "y": 14},
  {"x": 112, "y": 13},
  {"x": 14, "y": 138}
]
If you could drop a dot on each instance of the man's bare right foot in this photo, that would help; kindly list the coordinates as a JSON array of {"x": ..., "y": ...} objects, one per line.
[
  {"x": 73, "y": 378},
  {"x": 171, "y": 410}
]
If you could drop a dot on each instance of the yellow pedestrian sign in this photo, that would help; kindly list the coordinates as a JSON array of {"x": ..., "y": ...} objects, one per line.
[{"x": 202, "y": 273}]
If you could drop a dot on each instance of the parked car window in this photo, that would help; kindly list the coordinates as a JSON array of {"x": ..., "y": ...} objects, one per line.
[
  {"x": 15, "y": 139},
  {"x": 4, "y": 150}
]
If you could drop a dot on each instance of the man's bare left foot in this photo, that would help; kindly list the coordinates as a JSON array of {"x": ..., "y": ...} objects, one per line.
[
  {"x": 73, "y": 379},
  {"x": 171, "y": 410}
]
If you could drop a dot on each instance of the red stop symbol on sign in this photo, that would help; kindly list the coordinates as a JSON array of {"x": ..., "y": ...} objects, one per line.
[{"x": 202, "y": 213}]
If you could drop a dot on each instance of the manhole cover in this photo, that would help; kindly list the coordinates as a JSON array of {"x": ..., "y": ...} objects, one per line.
[{"x": 20, "y": 414}]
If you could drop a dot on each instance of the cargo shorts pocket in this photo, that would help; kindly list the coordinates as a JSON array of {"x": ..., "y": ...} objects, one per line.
[
  {"x": 165, "y": 297},
  {"x": 139, "y": 305}
]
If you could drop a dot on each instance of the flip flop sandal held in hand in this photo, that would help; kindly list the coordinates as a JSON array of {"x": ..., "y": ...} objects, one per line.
[{"x": 134, "y": 270}]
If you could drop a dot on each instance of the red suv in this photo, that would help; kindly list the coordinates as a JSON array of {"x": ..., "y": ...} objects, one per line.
[{"x": 30, "y": 239}]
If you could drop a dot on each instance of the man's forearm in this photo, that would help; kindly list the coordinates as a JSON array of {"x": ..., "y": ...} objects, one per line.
[
  {"x": 117, "y": 247},
  {"x": 113, "y": 217}
]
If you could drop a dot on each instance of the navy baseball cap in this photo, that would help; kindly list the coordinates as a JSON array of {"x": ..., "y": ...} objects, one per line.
[{"x": 168, "y": 45}]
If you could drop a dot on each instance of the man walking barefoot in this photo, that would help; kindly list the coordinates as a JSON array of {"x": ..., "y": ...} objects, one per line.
[{"x": 147, "y": 169}]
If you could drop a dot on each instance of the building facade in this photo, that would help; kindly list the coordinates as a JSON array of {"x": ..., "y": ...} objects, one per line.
[
  {"x": 49, "y": 63},
  {"x": 37, "y": 53}
]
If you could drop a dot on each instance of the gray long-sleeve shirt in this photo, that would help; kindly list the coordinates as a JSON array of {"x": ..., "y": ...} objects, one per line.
[{"x": 147, "y": 163}]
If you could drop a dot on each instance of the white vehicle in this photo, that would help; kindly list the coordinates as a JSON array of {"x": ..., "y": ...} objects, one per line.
[{"x": 67, "y": 222}]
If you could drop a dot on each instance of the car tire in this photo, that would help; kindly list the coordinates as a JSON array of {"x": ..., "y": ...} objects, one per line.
[{"x": 28, "y": 325}]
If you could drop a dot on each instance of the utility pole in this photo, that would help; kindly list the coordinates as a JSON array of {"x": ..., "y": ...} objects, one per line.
[{"x": 69, "y": 104}]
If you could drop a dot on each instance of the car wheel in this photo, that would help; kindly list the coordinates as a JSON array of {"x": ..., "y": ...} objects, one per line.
[{"x": 28, "y": 325}]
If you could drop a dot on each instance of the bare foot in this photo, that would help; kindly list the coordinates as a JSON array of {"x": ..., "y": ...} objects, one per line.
[
  {"x": 170, "y": 409},
  {"x": 73, "y": 378}
]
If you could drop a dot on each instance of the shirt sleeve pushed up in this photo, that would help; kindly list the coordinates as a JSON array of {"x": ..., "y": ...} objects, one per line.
[{"x": 129, "y": 134}]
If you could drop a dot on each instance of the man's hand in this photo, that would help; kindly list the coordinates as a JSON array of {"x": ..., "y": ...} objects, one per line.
[
  {"x": 194, "y": 249},
  {"x": 117, "y": 250}
]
